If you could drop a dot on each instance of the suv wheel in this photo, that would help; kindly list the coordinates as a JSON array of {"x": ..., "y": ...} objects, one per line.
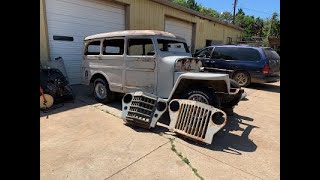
[
  {"x": 101, "y": 91},
  {"x": 203, "y": 95},
  {"x": 242, "y": 78}
]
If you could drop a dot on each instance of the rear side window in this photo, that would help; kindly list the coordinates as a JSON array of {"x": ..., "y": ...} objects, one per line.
[
  {"x": 271, "y": 54},
  {"x": 233, "y": 53},
  {"x": 141, "y": 47},
  {"x": 113, "y": 47},
  {"x": 93, "y": 48}
]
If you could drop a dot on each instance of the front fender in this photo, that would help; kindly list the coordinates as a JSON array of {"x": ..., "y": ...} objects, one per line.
[{"x": 188, "y": 79}]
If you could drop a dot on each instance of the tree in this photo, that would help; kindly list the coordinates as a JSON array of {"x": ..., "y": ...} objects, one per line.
[
  {"x": 252, "y": 26},
  {"x": 258, "y": 27},
  {"x": 226, "y": 17},
  {"x": 209, "y": 11},
  {"x": 192, "y": 4},
  {"x": 180, "y": 2},
  {"x": 240, "y": 12},
  {"x": 275, "y": 25}
]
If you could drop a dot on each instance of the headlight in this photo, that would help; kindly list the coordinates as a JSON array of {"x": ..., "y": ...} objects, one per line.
[{"x": 188, "y": 65}]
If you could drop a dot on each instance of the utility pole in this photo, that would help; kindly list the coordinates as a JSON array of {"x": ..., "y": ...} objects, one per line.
[{"x": 234, "y": 10}]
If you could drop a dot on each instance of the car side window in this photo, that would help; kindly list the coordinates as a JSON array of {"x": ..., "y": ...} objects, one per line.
[
  {"x": 222, "y": 53},
  {"x": 140, "y": 47},
  {"x": 234, "y": 53},
  {"x": 247, "y": 54},
  {"x": 113, "y": 47},
  {"x": 205, "y": 53},
  {"x": 93, "y": 48}
]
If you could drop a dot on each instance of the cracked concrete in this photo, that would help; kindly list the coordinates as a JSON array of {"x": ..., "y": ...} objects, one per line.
[{"x": 88, "y": 140}]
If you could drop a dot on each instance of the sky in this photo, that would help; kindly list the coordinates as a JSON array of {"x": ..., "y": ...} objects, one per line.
[{"x": 257, "y": 8}]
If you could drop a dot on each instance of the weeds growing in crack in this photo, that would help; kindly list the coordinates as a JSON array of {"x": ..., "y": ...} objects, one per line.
[{"x": 184, "y": 159}]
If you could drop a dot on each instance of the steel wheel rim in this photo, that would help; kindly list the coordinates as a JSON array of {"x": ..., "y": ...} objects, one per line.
[
  {"x": 199, "y": 98},
  {"x": 241, "y": 79},
  {"x": 100, "y": 90}
]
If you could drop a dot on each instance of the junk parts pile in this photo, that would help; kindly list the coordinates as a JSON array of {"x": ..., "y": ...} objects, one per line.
[{"x": 192, "y": 119}]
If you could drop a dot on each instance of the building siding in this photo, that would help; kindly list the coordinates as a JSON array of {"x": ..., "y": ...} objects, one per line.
[{"x": 147, "y": 14}]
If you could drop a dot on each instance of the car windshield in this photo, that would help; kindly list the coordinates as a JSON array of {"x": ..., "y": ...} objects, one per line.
[{"x": 172, "y": 46}]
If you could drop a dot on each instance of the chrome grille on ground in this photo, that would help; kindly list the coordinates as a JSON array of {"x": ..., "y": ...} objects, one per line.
[
  {"x": 142, "y": 109},
  {"x": 195, "y": 120}
]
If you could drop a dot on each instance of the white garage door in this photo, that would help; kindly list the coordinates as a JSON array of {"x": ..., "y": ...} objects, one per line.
[
  {"x": 77, "y": 19},
  {"x": 179, "y": 28}
]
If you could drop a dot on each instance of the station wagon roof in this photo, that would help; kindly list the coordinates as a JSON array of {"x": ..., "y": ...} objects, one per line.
[{"x": 134, "y": 33}]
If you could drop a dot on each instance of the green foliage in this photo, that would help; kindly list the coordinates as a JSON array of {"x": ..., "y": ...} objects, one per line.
[
  {"x": 226, "y": 17},
  {"x": 252, "y": 26}
]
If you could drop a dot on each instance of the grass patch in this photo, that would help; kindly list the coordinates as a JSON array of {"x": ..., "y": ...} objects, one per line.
[{"x": 184, "y": 159}]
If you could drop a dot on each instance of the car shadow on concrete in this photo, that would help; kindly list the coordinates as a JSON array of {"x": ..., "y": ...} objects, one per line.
[
  {"x": 265, "y": 87},
  {"x": 228, "y": 142}
]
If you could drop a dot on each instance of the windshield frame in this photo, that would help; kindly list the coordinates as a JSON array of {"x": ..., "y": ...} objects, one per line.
[{"x": 167, "y": 53}]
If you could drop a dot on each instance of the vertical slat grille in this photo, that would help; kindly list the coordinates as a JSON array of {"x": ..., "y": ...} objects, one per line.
[
  {"x": 193, "y": 120},
  {"x": 141, "y": 108}
]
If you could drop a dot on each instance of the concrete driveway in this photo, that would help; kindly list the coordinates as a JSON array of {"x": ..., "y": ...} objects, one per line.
[{"x": 88, "y": 140}]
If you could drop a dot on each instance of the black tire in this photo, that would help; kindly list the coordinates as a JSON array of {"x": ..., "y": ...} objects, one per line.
[
  {"x": 208, "y": 94},
  {"x": 242, "y": 78},
  {"x": 109, "y": 95}
]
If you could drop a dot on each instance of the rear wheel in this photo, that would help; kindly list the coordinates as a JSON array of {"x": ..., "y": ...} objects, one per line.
[
  {"x": 203, "y": 95},
  {"x": 101, "y": 91},
  {"x": 242, "y": 78}
]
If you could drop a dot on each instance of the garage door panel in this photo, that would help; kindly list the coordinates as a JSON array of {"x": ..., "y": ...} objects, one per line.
[
  {"x": 84, "y": 21},
  {"x": 80, "y": 30},
  {"x": 178, "y": 24},
  {"x": 66, "y": 57},
  {"x": 179, "y": 28},
  {"x": 85, "y": 14},
  {"x": 68, "y": 51},
  {"x": 84, "y": 5},
  {"x": 78, "y": 19}
]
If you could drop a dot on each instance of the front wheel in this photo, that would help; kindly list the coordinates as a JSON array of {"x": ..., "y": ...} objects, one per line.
[
  {"x": 203, "y": 95},
  {"x": 102, "y": 92}
]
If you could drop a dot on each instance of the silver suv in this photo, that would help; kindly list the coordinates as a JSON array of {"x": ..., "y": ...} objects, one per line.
[{"x": 155, "y": 62}]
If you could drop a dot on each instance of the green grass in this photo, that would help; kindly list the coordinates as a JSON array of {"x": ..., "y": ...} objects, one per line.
[{"x": 184, "y": 159}]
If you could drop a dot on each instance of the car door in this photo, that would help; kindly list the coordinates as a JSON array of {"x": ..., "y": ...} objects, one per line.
[
  {"x": 220, "y": 57},
  {"x": 140, "y": 63},
  {"x": 205, "y": 55},
  {"x": 111, "y": 62}
]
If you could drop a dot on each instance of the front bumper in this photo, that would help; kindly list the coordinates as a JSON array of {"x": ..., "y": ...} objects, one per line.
[
  {"x": 229, "y": 100},
  {"x": 265, "y": 78}
]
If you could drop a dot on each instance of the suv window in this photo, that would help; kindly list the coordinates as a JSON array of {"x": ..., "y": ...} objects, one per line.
[
  {"x": 93, "y": 48},
  {"x": 233, "y": 53},
  {"x": 172, "y": 46},
  {"x": 113, "y": 47},
  {"x": 205, "y": 53},
  {"x": 271, "y": 54},
  {"x": 141, "y": 47}
]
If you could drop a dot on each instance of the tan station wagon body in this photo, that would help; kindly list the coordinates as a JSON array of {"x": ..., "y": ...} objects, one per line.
[{"x": 151, "y": 61}]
